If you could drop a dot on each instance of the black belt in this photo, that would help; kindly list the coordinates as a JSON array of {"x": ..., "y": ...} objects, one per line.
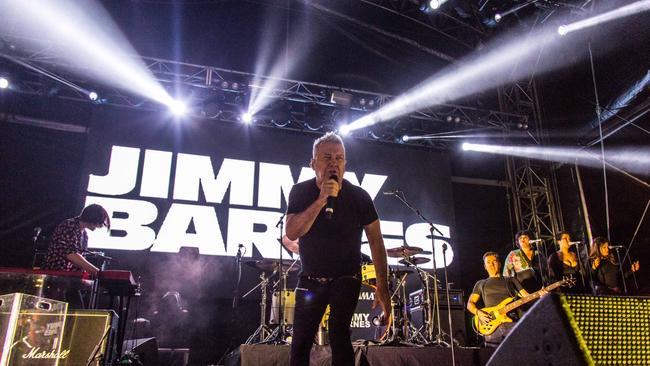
[{"x": 326, "y": 280}]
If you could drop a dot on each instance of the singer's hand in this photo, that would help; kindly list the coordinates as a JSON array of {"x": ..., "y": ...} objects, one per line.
[
  {"x": 635, "y": 266},
  {"x": 329, "y": 188},
  {"x": 382, "y": 298}
]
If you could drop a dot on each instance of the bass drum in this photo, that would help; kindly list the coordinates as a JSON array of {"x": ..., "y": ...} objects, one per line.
[{"x": 361, "y": 327}]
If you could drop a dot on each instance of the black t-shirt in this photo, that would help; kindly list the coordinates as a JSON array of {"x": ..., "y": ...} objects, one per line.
[
  {"x": 332, "y": 248},
  {"x": 493, "y": 290},
  {"x": 607, "y": 274}
]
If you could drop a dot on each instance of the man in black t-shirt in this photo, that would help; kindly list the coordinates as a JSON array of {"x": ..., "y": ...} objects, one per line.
[
  {"x": 491, "y": 291},
  {"x": 330, "y": 252}
]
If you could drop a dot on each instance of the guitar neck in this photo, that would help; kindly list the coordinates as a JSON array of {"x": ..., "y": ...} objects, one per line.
[{"x": 534, "y": 296}]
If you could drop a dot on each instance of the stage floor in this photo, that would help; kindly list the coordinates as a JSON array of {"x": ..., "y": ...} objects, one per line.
[{"x": 278, "y": 355}]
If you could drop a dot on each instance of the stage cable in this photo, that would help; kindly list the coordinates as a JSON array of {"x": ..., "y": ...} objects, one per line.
[{"x": 602, "y": 142}]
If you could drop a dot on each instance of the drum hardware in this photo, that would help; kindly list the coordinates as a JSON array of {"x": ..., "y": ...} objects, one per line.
[
  {"x": 268, "y": 265},
  {"x": 433, "y": 310},
  {"x": 398, "y": 329},
  {"x": 279, "y": 334},
  {"x": 263, "y": 331},
  {"x": 414, "y": 261}
]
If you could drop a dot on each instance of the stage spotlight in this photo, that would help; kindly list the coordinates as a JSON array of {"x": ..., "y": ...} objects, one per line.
[
  {"x": 247, "y": 118},
  {"x": 344, "y": 130},
  {"x": 93, "y": 96},
  {"x": 466, "y": 146},
  {"x": 405, "y": 138},
  {"x": 562, "y": 30},
  {"x": 497, "y": 17},
  {"x": 431, "y": 5},
  {"x": 4, "y": 83},
  {"x": 177, "y": 107}
]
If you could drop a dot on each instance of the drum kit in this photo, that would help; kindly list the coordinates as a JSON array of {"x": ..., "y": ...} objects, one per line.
[{"x": 398, "y": 331}]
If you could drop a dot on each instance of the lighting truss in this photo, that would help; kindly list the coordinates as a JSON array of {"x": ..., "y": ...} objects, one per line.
[{"x": 230, "y": 88}]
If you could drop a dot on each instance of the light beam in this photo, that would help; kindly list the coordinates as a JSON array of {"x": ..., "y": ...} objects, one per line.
[
  {"x": 635, "y": 160},
  {"x": 84, "y": 34},
  {"x": 621, "y": 12}
]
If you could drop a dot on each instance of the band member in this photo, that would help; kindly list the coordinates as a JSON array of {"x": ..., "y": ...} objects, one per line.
[
  {"x": 566, "y": 263},
  {"x": 69, "y": 241},
  {"x": 605, "y": 268},
  {"x": 492, "y": 291},
  {"x": 330, "y": 251},
  {"x": 523, "y": 263}
]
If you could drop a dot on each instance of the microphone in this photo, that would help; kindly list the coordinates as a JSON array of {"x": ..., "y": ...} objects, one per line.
[
  {"x": 536, "y": 241},
  {"x": 37, "y": 232},
  {"x": 616, "y": 247},
  {"x": 575, "y": 243},
  {"x": 329, "y": 209},
  {"x": 392, "y": 192}
]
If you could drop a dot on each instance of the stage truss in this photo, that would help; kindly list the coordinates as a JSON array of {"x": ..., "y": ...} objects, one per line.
[{"x": 222, "y": 94}]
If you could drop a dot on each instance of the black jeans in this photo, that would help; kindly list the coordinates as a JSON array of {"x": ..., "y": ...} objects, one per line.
[{"x": 312, "y": 298}]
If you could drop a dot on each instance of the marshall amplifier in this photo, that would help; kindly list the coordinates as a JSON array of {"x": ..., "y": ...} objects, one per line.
[
  {"x": 456, "y": 300},
  {"x": 87, "y": 338}
]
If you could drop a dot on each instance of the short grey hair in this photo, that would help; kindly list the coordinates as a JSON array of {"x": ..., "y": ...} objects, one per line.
[{"x": 328, "y": 138}]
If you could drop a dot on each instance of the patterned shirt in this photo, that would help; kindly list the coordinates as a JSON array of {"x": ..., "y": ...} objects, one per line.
[
  {"x": 67, "y": 238},
  {"x": 516, "y": 261}
]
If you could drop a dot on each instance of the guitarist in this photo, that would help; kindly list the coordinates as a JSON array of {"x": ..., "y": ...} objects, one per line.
[{"x": 491, "y": 291}]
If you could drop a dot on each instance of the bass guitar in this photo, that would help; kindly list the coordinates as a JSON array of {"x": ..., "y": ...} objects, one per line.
[{"x": 499, "y": 313}]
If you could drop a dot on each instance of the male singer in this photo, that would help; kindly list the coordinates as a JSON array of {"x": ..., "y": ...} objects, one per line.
[{"x": 328, "y": 214}]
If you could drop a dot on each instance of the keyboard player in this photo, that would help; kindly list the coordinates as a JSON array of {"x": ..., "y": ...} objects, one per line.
[{"x": 69, "y": 241}]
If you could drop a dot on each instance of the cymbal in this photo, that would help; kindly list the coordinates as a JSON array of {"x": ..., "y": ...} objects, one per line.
[
  {"x": 269, "y": 265},
  {"x": 415, "y": 260},
  {"x": 403, "y": 251}
]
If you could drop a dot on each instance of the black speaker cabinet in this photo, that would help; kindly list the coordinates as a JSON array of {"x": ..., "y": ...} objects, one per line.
[
  {"x": 88, "y": 338},
  {"x": 145, "y": 348},
  {"x": 579, "y": 330},
  {"x": 457, "y": 322}
]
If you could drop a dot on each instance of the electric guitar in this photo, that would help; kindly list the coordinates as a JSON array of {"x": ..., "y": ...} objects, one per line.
[{"x": 499, "y": 313}]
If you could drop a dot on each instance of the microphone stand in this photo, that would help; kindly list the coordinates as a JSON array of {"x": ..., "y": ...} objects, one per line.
[
  {"x": 544, "y": 277},
  {"x": 235, "y": 293},
  {"x": 280, "y": 335},
  {"x": 94, "y": 292},
  {"x": 620, "y": 268},
  {"x": 234, "y": 316},
  {"x": 438, "y": 338},
  {"x": 581, "y": 268},
  {"x": 451, "y": 328}
]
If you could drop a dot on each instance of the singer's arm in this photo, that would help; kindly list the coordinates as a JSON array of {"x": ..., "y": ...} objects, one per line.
[
  {"x": 298, "y": 224},
  {"x": 378, "y": 252}
]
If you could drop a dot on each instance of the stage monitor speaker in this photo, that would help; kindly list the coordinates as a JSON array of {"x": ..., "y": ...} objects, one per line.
[
  {"x": 145, "y": 348},
  {"x": 457, "y": 322},
  {"x": 579, "y": 330}
]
